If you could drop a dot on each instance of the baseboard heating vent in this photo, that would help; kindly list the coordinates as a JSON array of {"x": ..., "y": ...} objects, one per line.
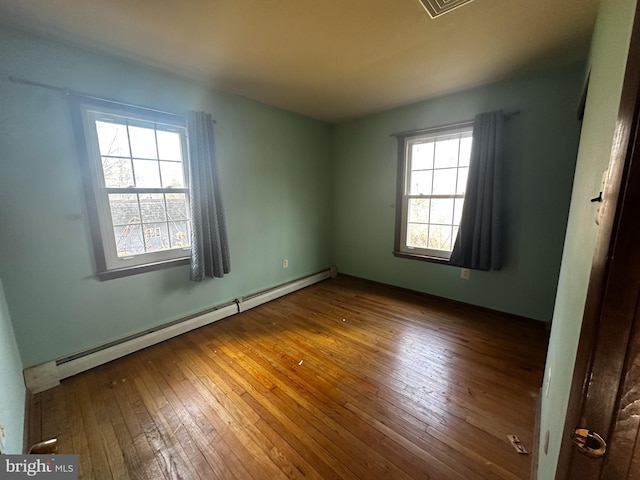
[
  {"x": 48, "y": 375},
  {"x": 258, "y": 298},
  {"x": 144, "y": 333}
]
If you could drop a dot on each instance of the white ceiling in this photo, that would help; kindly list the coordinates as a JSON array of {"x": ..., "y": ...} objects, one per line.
[{"x": 332, "y": 59}]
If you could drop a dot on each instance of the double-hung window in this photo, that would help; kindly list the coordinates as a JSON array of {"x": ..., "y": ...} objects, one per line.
[
  {"x": 433, "y": 166},
  {"x": 136, "y": 180}
]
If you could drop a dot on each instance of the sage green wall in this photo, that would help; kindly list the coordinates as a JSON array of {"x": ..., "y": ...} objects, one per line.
[
  {"x": 608, "y": 57},
  {"x": 274, "y": 170},
  {"x": 541, "y": 144},
  {"x": 12, "y": 398}
]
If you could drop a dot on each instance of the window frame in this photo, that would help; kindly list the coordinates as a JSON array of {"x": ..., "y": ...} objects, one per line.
[
  {"x": 405, "y": 141},
  {"x": 85, "y": 111}
]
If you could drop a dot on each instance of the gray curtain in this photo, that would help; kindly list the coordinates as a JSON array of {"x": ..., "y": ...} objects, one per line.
[
  {"x": 209, "y": 244},
  {"x": 478, "y": 244}
]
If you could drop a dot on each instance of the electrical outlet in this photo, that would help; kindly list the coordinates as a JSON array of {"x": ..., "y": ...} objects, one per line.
[
  {"x": 465, "y": 273},
  {"x": 2, "y": 439},
  {"x": 285, "y": 263},
  {"x": 547, "y": 385},
  {"x": 546, "y": 443}
]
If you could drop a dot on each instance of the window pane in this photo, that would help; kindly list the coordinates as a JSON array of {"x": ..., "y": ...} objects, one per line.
[
  {"x": 444, "y": 181},
  {"x": 463, "y": 173},
  {"x": 459, "y": 202},
  {"x": 124, "y": 209},
  {"x": 454, "y": 236},
  {"x": 112, "y": 139},
  {"x": 417, "y": 235},
  {"x": 419, "y": 210},
  {"x": 156, "y": 236},
  {"x": 180, "y": 234},
  {"x": 420, "y": 182},
  {"x": 152, "y": 208},
  {"x": 136, "y": 170},
  {"x": 465, "y": 150},
  {"x": 436, "y": 172},
  {"x": 147, "y": 173},
  {"x": 177, "y": 206},
  {"x": 143, "y": 142},
  {"x": 172, "y": 174},
  {"x": 442, "y": 211},
  {"x": 422, "y": 156},
  {"x": 440, "y": 237},
  {"x": 169, "y": 145},
  {"x": 117, "y": 172},
  {"x": 128, "y": 240},
  {"x": 447, "y": 153}
]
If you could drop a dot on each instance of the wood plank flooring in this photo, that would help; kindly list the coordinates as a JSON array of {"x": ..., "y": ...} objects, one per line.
[{"x": 342, "y": 380}]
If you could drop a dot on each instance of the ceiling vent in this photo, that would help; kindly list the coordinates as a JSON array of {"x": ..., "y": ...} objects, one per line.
[{"x": 440, "y": 7}]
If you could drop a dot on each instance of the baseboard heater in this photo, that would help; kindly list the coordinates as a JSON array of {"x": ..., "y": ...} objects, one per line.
[{"x": 48, "y": 375}]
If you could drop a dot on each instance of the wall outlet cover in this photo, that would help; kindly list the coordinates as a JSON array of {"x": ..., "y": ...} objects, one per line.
[{"x": 2, "y": 439}]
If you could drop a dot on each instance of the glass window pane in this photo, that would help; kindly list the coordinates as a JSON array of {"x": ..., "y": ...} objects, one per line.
[
  {"x": 438, "y": 167},
  {"x": 177, "y": 206},
  {"x": 465, "y": 150},
  {"x": 180, "y": 234},
  {"x": 463, "y": 173},
  {"x": 454, "y": 236},
  {"x": 440, "y": 237},
  {"x": 446, "y": 153},
  {"x": 172, "y": 174},
  {"x": 442, "y": 211},
  {"x": 147, "y": 173},
  {"x": 169, "y": 145},
  {"x": 422, "y": 156},
  {"x": 420, "y": 182},
  {"x": 457, "y": 213},
  {"x": 112, "y": 139},
  {"x": 417, "y": 235},
  {"x": 143, "y": 142},
  {"x": 124, "y": 208},
  {"x": 152, "y": 207},
  {"x": 444, "y": 181},
  {"x": 156, "y": 236},
  {"x": 419, "y": 210},
  {"x": 117, "y": 172},
  {"x": 128, "y": 240}
]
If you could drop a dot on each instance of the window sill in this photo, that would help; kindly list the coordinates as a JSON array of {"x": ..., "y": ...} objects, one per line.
[
  {"x": 147, "y": 267},
  {"x": 422, "y": 258}
]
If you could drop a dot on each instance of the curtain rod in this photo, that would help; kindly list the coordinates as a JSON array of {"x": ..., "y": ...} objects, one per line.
[
  {"x": 507, "y": 116},
  {"x": 66, "y": 91}
]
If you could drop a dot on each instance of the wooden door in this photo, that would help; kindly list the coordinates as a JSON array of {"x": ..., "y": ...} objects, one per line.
[{"x": 605, "y": 394}]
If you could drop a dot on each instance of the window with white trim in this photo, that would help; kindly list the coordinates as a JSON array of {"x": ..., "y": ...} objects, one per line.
[
  {"x": 135, "y": 168},
  {"x": 433, "y": 169}
]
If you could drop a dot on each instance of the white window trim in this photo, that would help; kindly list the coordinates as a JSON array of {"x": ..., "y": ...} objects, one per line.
[
  {"x": 405, "y": 141},
  {"x": 108, "y": 264}
]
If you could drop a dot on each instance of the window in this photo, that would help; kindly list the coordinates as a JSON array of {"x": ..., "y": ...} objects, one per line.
[
  {"x": 432, "y": 177},
  {"x": 135, "y": 167}
]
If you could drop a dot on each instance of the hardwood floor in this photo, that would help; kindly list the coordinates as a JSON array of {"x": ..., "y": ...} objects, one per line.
[{"x": 342, "y": 380}]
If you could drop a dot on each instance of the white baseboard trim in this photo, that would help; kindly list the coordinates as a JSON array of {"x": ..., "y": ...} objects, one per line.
[
  {"x": 87, "y": 362},
  {"x": 252, "y": 301},
  {"x": 42, "y": 377},
  {"x": 48, "y": 375}
]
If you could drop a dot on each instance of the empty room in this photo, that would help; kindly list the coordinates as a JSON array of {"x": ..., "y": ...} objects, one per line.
[{"x": 249, "y": 239}]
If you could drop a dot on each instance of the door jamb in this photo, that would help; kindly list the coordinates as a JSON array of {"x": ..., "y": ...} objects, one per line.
[{"x": 619, "y": 163}]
